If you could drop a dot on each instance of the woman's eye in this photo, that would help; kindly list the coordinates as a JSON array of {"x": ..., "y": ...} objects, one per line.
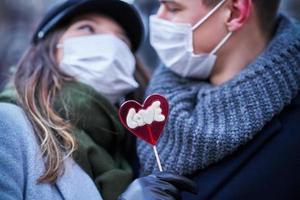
[{"x": 87, "y": 28}]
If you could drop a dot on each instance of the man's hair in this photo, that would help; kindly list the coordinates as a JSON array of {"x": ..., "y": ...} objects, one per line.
[{"x": 266, "y": 10}]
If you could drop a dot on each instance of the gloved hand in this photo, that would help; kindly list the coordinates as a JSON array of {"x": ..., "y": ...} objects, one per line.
[{"x": 159, "y": 186}]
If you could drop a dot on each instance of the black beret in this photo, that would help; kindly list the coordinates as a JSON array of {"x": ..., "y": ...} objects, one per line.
[{"x": 123, "y": 13}]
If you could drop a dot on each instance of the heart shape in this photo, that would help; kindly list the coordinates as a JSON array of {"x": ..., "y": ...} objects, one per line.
[{"x": 145, "y": 121}]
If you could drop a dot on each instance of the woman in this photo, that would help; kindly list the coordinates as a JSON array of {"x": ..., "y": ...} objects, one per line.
[{"x": 79, "y": 66}]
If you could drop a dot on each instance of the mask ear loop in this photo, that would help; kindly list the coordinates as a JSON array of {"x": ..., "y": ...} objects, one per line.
[
  {"x": 223, "y": 41},
  {"x": 208, "y": 15}
]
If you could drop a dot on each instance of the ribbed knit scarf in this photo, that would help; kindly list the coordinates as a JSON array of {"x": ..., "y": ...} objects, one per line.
[{"x": 207, "y": 123}]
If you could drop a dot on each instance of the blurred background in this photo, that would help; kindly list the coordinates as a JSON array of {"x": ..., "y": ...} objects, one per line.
[{"x": 18, "y": 19}]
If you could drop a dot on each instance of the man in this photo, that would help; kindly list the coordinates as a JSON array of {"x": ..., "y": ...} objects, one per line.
[{"x": 231, "y": 74}]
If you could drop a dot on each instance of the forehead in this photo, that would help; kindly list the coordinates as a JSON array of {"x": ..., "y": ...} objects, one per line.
[{"x": 99, "y": 20}]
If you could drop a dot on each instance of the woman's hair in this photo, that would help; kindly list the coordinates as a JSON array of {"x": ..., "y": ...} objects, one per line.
[{"x": 38, "y": 80}]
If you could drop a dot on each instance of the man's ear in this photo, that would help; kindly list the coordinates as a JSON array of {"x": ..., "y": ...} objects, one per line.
[{"x": 240, "y": 12}]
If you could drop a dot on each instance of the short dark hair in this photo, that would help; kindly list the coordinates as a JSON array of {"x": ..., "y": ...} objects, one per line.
[{"x": 266, "y": 9}]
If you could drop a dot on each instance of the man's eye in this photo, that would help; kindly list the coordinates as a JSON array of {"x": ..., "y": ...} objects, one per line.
[
  {"x": 87, "y": 28},
  {"x": 172, "y": 8}
]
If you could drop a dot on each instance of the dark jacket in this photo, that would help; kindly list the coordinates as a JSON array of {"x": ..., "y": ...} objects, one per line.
[{"x": 266, "y": 168}]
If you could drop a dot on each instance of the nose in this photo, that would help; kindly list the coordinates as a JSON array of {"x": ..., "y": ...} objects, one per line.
[{"x": 162, "y": 13}]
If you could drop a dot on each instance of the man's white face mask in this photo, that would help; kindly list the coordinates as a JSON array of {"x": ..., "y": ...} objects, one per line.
[
  {"x": 103, "y": 62},
  {"x": 173, "y": 43}
]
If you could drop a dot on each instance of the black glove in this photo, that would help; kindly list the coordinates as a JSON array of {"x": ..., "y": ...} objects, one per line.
[{"x": 160, "y": 186}]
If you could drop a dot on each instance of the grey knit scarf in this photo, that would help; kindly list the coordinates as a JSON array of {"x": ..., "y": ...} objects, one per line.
[{"x": 207, "y": 123}]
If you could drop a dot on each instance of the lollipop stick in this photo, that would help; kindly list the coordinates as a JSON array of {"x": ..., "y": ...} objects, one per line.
[
  {"x": 157, "y": 159},
  {"x": 155, "y": 150}
]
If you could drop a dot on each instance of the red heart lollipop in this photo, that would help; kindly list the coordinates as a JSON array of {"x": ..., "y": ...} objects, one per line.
[{"x": 146, "y": 121}]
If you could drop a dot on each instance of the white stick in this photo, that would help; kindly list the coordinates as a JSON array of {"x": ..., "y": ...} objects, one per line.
[{"x": 157, "y": 159}]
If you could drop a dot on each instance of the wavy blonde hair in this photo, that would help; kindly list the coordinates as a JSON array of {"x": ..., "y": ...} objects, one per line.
[{"x": 38, "y": 81}]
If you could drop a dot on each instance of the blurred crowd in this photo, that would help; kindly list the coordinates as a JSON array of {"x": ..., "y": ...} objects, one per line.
[{"x": 19, "y": 17}]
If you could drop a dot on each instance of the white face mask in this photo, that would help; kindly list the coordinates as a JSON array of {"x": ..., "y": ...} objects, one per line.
[
  {"x": 173, "y": 43},
  {"x": 103, "y": 62}
]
